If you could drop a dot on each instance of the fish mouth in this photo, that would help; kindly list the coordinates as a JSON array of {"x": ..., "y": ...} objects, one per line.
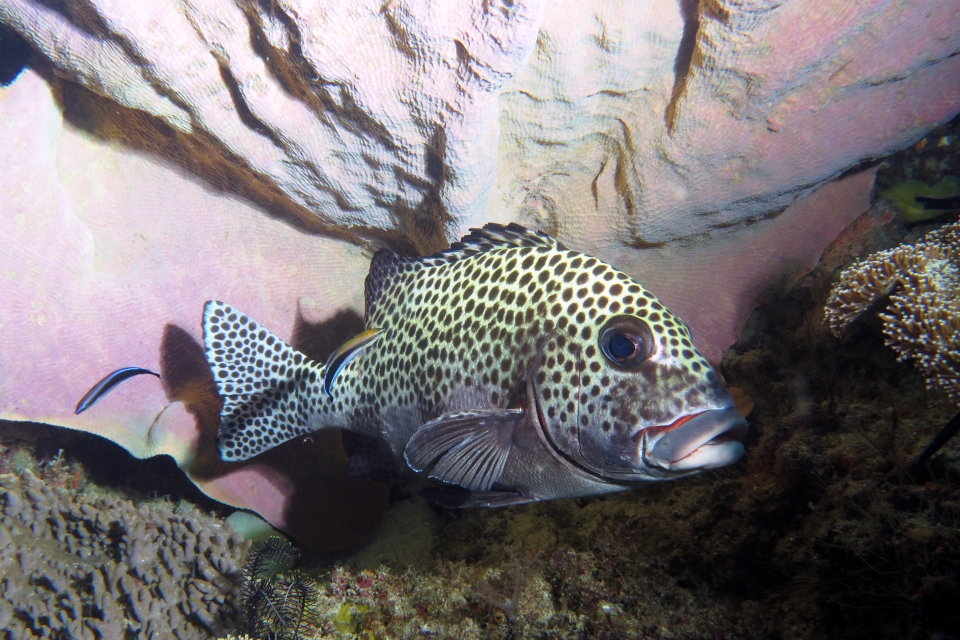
[{"x": 706, "y": 440}]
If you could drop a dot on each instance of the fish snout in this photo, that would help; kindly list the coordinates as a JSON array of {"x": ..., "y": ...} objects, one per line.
[{"x": 706, "y": 440}]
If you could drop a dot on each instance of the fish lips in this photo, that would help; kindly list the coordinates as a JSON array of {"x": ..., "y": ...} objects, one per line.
[{"x": 707, "y": 440}]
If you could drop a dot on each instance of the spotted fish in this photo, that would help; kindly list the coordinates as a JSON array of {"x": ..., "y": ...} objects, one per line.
[{"x": 506, "y": 365}]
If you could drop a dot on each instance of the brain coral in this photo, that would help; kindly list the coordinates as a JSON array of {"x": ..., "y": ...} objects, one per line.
[
  {"x": 104, "y": 568},
  {"x": 922, "y": 319}
]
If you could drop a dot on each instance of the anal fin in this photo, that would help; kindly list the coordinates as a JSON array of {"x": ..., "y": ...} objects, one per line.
[{"x": 469, "y": 448}]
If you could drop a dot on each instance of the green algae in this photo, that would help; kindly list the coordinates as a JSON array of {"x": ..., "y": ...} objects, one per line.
[{"x": 350, "y": 617}]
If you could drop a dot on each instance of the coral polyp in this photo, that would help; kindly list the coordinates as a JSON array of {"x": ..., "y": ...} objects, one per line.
[{"x": 922, "y": 319}]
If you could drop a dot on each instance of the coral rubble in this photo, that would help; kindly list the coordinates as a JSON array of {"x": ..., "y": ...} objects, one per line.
[
  {"x": 105, "y": 568},
  {"x": 922, "y": 319}
]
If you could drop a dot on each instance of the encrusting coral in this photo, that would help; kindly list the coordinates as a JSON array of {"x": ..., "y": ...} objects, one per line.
[
  {"x": 922, "y": 319},
  {"x": 104, "y": 568}
]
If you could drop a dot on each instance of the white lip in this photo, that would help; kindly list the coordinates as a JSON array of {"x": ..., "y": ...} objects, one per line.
[
  {"x": 709, "y": 456},
  {"x": 706, "y": 441}
]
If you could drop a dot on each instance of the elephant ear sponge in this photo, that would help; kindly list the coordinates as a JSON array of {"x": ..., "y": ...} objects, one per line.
[{"x": 922, "y": 319}]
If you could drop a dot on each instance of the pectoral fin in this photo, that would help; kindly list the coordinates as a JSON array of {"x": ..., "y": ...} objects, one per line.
[{"x": 470, "y": 447}]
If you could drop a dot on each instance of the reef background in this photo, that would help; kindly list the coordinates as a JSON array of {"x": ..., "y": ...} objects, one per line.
[{"x": 821, "y": 531}]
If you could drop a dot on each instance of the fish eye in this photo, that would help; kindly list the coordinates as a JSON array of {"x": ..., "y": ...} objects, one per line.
[{"x": 626, "y": 340}]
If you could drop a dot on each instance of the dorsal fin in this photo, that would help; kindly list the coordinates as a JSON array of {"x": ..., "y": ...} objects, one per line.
[
  {"x": 493, "y": 236},
  {"x": 386, "y": 264}
]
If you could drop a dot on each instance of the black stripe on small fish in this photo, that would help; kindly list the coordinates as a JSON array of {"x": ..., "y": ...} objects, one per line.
[
  {"x": 106, "y": 385},
  {"x": 952, "y": 428},
  {"x": 930, "y": 203},
  {"x": 344, "y": 354}
]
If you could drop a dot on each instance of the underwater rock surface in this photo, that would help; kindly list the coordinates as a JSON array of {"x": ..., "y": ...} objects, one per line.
[
  {"x": 823, "y": 531},
  {"x": 104, "y": 568},
  {"x": 652, "y": 121},
  {"x": 160, "y": 155}
]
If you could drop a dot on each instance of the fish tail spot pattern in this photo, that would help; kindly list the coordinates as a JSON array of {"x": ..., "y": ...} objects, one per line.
[{"x": 270, "y": 391}]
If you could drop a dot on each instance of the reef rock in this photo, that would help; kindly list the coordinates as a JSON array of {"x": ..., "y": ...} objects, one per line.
[
  {"x": 255, "y": 152},
  {"x": 651, "y": 121},
  {"x": 109, "y": 256},
  {"x": 104, "y": 568}
]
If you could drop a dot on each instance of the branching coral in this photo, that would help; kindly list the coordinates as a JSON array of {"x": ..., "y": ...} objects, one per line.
[
  {"x": 104, "y": 568},
  {"x": 922, "y": 319}
]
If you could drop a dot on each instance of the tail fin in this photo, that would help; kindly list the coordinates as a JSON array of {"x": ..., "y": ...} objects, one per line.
[{"x": 270, "y": 391}]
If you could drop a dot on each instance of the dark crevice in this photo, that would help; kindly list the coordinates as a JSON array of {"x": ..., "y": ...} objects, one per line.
[
  {"x": 15, "y": 54},
  {"x": 247, "y": 117},
  {"x": 401, "y": 38},
  {"x": 689, "y": 9},
  {"x": 83, "y": 15},
  {"x": 425, "y": 226},
  {"x": 299, "y": 78},
  {"x": 198, "y": 155},
  {"x": 433, "y": 156},
  {"x": 422, "y": 229},
  {"x": 79, "y": 13}
]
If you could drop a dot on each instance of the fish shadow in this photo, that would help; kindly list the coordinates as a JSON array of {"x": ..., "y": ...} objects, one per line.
[{"x": 317, "y": 340}]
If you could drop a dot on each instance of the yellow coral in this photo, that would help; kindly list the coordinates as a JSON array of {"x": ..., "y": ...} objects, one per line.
[{"x": 922, "y": 320}]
